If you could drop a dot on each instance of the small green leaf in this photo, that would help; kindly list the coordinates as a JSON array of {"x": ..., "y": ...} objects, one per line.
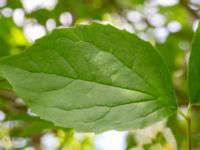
[
  {"x": 93, "y": 78},
  {"x": 194, "y": 69}
]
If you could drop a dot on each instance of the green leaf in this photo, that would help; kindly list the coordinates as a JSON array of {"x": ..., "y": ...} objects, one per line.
[
  {"x": 171, "y": 51},
  {"x": 93, "y": 78},
  {"x": 194, "y": 69}
]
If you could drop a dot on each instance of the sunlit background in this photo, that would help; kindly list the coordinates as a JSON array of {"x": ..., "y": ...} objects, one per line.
[{"x": 168, "y": 24}]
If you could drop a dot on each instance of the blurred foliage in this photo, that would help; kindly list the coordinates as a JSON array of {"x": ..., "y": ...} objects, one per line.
[{"x": 170, "y": 27}]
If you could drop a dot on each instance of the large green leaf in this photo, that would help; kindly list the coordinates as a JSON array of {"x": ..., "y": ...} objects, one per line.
[
  {"x": 93, "y": 78},
  {"x": 194, "y": 69}
]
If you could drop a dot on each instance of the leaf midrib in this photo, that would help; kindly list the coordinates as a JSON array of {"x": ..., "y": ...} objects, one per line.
[{"x": 96, "y": 82}]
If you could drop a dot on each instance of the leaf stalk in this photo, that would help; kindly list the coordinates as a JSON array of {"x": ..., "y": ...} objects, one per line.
[{"x": 187, "y": 118}]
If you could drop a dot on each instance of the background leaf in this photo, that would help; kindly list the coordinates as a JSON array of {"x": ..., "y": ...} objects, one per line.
[{"x": 194, "y": 69}]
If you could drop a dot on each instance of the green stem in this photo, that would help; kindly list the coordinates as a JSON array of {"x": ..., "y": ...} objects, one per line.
[
  {"x": 189, "y": 134},
  {"x": 188, "y": 121}
]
